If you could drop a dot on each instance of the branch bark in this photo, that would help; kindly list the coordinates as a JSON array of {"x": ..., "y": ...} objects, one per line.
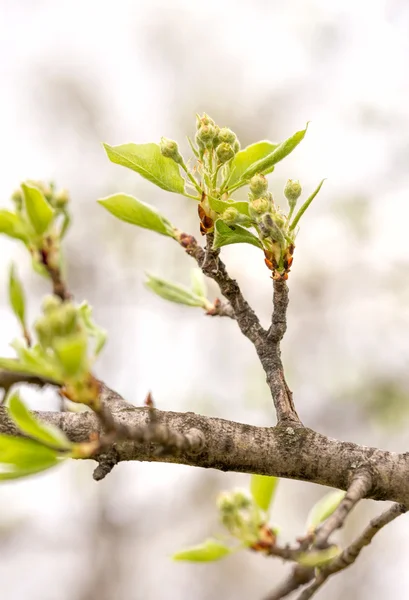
[{"x": 283, "y": 451}]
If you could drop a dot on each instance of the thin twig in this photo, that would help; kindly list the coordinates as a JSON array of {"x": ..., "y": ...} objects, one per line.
[
  {"x": 49, "y": 260},
  {"x": 350, "y": 554},
  {"x": 359, "y": 488},
  {"x": 300, "y": 576}
]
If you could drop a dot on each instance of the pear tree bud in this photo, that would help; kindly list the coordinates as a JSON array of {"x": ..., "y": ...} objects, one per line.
[
  {"x": 227, "y": 135},
  {"x": 259, "y": 206},
  {"x": 258, "y": 185},
  {"x": 236, "y": 146},
  {"x": 170, "y": 149},
  {"x": 50, "y": 303},
  {"x": 61, "y": 199},
  {"x": 17, "y": 198},
  {"x": 204, "y": 120},
  {"x": 224, "y": 152},
  {"x": 205, "y": 136},
  {"x": 292, "y": 192},
  {"x": 231, "y": 216}
]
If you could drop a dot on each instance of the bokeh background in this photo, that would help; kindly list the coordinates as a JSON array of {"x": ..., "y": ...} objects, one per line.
[{"x": 76, "y": 73}]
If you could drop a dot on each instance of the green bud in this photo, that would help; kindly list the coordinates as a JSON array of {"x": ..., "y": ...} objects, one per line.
[
  {"x": 204, "y": 120},
  {"x": 230, "y": 216},
  {"x": 61, "y": 199},
  {"x": 236, "y": 146},
  {"x": 270, "y": 228},
  {"x": 227, "y": 135},
  {"x": 205, "y": 136},
  {"x": 224, "y": 152},
  {"x": 225, "y": 502},
  {"x": 43, "y": 331},
  {"x": 259, "y": 206},
  {"x": 216, "y": 139},
  {"x": 50, "y": 303},
  {"x": 170, "y": 149},
  {"x": 258, "y": 185},
  {"x": 241, "y": 500},
  {"x": 292, "y": 192}
]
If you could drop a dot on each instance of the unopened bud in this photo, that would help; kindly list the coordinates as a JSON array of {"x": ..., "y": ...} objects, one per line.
[
  {"x": 259, "y": 206},
  {"x": 241, "y": 500},
  {"x": 17, "y": 198},
  {"x": 236, "y": 146},
  {"x": 50, "y": 303},
  {"x": 227, "y": 135},
  {"x": 292, "y": 192},
  {"x": 170, "y": 149},
  {"x": 230, "y": 216},
  {"x": 258, "y": 185},
  {"x": 224, "y": 152},
  {"x": 225, "y": 502},
  {"x": 204, "y": 120},
  {"x": 61, "y": 199},
  {"x": 205, "y": 136}
]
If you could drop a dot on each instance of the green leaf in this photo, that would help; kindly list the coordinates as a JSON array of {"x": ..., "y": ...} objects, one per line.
[
  {"x": 280, "y": 152},
  {"x": 209, "y": 551},
  {"x": 16, "y": 295},
  {"x": 247, "y": 157},
  {"x": 129, "y": 209},
  {"x": 174, "y": 292},
  {"x": 305, "y": 206},
  {"x": 13, "y": 225},
  {"x": 317, "y": 558},
  {"x": 93, "y": 330},
  {"x": 324, "y": 508},
  {"x": 38, "y": 209},
  {"x": 263, "y": 489},
  {"x": 30, "y": 368},
  {"x": 232, "y": 234},
  {"x": 71, "y": 352},
  {"x": 20, "y": 457},
  {"x": 220, "y": 206},
  {"x": 147, "y": 160},
  {"x": 198, "y": 283},
  {"x": 28, "y": 424}
]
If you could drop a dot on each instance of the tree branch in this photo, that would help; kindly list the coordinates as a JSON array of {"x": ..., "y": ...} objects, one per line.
[
  {"x": 359, "y": 488},
  {"x": 281, "y": 451},
  {"x": 300, "y": 576},
  {"x": 350, "y": 554}
]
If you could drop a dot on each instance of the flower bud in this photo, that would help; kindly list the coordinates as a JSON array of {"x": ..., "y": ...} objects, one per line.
[
  {"x": 205, "y": 136},
  {"x": 227, "y": 135},
  {"x": 241, "y": 500},
  {"x": 204, "y": 120},
  {"x": 50, "y": 303},
  {"x": 292, "y": 192},
  {"x": 258, "y": 185},
  {"x": 230, "y": 216},
  {"x": 225, "y": 502},
  {"x": 61, "y": 199},
  {"x": 259, "y": 206},
  {"x": 236, "y": 146},
  {"x": 170, "y": 149},
  {"x": 224, "y": 152},
  {"x": 17, "y": 198}
]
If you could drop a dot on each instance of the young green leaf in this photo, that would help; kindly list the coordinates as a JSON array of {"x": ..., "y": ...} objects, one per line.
[
  {"x": 198, "y": 283},
  {"x": 28, "y": 424},
  {"x": 174, "y": 292},
  {"x": 30, "y": 368},
  {"x": 129, "y": 209},
  {"x": 38, "y": 209},
  {"x": 16, "y": 295},
  {"x": 13, "y": 226},
  {"x": 247, "y": 157},
  {"x": 324, "y": 508},
  {"x": 305, "y": 206},
  {"x": 220, "y": 206},
  {"x": 280, "y": 152},
  {"x": 20, "y": 457},
  {"x": 71, "y": 352},
  {"x": 93, "y": 330},
  {"x": 147, "y": 160},
  {"x": 263, "y": 489},
  {"x": 232, "y": 234},
  {"x": 210, "y": 550},
  {"x": 318, "y": 558}
]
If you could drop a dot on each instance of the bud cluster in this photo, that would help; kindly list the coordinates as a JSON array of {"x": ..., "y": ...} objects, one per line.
[{"x": 240, "y": 516}]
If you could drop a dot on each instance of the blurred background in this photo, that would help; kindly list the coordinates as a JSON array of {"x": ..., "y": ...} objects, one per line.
[{"x": 74, "y": 74}]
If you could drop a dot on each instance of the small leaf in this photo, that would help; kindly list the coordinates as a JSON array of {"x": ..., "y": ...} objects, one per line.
[
  {"x": 220, "y": 206},
  {"x": 209, "y": 551},
  {"x": 38, "y": 209},
  {"x": 147, "y": 160},
  {"x": 305, "y": 206},
  {"x": 232, "y": 234},
  {"x": 174, "y": 292},
  {"x": 129, "y": 209},
  {"x": 317, "y": 558},
  {"x": 198, "y": 283},
  {"x": 280, "y": 152},
  {"x": 13, "y": 225},
  {"x": 262, "y": 489},
  {"x": 28, "y": 424},
  {"x": 71, "y": 352},
  {"x": 324, "y": 508},
  {"x": 247, "y": 157},
  {"x": 16, "y": 295},
  {"x": 20, "y": 457},
  {"x": 93, "y": 330},
  {"x": 33, "y": 368}
]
